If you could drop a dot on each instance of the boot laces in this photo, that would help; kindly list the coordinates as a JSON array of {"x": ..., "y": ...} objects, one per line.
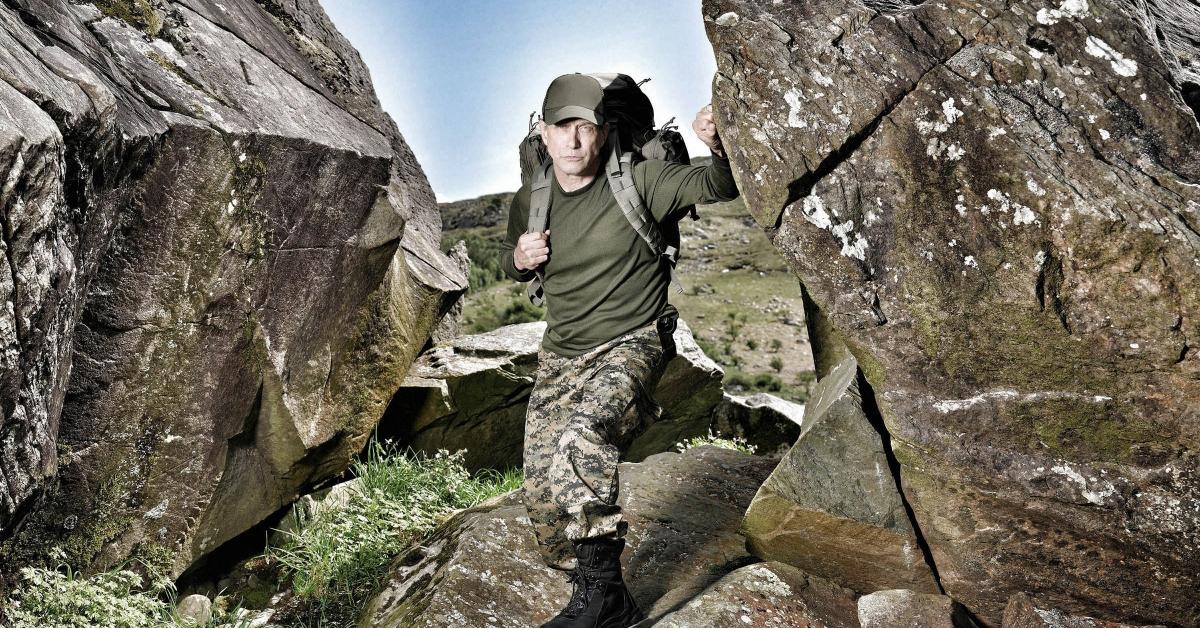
[{"x": 579, "y": 594}]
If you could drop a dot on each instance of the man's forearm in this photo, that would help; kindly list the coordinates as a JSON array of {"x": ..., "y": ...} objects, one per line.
[{"x": 718, "y": 179}]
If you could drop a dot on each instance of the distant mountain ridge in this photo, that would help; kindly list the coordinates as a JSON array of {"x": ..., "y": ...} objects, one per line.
[{"x": 488, "y": 210}]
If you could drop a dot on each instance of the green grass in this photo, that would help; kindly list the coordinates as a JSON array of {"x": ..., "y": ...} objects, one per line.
[
  {"x": 118, "y": 598},
  {"x": 337, "y": 559},
  {"x": 712, "y": 440},
  {"x": 137, "y": 13},
  {"x": 333, "y": 562}
]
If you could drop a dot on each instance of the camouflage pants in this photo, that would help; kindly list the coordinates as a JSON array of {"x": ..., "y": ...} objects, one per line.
[{"x": 583, "y": 412}]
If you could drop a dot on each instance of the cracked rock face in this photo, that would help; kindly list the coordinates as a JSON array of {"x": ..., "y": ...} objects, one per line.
[
  {"x": 221, "y": 257},
  {"x": 1023, "y": 612},
  {"x": 997, "y": 205},
  {"x": 831, "y": 507}
]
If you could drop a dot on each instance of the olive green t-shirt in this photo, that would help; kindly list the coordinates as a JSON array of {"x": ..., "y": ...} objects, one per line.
[{"x": 602, "y": 280}]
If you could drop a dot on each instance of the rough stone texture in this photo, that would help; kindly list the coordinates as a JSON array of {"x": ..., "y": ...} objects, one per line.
[
  {"x": 832, "y": 507},
  {"x": 1023, "y": 612},
  {"x": 900, "y": 608},
  {"x": 765, "y": 421},
  {"x": 471, "y": 394},
  {"x": 767, "y": 594},
  {"x": 222, "y": 257},
  {"x": 449, "y": 325},
  {"x": 196, "y": 609},
  {"x": 996, "y": 204},
  {"x": 482, "y": 567}
]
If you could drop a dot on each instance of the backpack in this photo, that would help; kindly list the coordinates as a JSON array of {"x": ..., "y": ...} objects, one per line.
[{"x": 635, "y": 139}]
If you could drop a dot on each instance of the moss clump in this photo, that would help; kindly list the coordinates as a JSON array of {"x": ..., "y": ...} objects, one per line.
[
  {"x": 248, "y": 177},
  {"x": 1087, "y": 431},
  {"x": 139, "y": 14},
  {"x": 187, "y": 79}
]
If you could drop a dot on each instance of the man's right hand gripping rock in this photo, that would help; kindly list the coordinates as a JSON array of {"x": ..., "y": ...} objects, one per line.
[{"x": 532, "y": 250}]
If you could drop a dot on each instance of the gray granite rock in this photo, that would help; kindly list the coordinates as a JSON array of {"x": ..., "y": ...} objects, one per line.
[
  {"x": 768, "y": 423},
  {"x": 832, "y": 507},
  {"x": 901, "y": 608},
  {"x": 196, "y": 609},
  {"x": 222, "y": 257},
  {"x": 996, "y": 204},
  {"x": 767, "y": 595}
]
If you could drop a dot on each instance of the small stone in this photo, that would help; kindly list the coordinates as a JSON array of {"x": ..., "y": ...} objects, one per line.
[
  {"x": 195, "y": 608},
  {"x": 900, "y": 608}
]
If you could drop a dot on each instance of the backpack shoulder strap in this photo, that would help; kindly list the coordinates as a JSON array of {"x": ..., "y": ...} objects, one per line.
[
  {"x": 620, "y": 179},
  {"x": 539, "y": 199},
  {"x": 539, "y": 219}
]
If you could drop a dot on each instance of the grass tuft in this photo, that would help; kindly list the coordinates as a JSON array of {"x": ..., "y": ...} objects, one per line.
[
  {"x": 336, "y": 559},
  {"x": 736, "y": 443}
]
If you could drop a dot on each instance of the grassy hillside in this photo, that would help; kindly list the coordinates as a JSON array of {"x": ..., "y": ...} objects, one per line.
[{"x": 738, "y": 295}]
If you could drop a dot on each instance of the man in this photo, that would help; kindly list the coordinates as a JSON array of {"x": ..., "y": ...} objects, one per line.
[{"x": 601, "y": 356}]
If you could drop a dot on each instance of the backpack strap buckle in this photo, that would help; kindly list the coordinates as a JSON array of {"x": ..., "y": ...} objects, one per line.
[{"x": 539, "y": 219}]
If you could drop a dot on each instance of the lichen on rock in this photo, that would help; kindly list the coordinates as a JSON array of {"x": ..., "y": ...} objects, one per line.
[{"x": 1023, "y": 177}]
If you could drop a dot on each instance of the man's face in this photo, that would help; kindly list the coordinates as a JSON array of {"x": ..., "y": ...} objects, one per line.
[{"x": 574, "y": 145}]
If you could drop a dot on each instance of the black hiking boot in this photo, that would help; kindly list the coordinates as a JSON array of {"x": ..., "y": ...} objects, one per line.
[{"x": 600, "y": 599}]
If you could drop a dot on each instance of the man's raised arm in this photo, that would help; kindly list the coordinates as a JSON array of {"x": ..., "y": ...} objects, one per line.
[{"x": 669, "y": 187}]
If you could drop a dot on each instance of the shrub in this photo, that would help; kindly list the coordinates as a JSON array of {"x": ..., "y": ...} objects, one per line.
[
  {"x": 768, "y": 382},
  {"x": 118, "y": 598},
  {"x": 737, "y": 382},
  {"x": 806, "y": 377},
  {"x": 751, "y": 344},
  {"x": 64, "y": 597},
  {"x": 520, "y": 310},
  {"x": 516, "y": 309},
  {"x": 777, "y": 363},
  {"x": 776, "y": 345}
]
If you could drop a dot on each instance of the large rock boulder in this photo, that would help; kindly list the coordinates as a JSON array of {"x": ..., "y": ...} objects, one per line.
[
  {"x": 767, "y": 595},
  {"x": 471, "y": 394},
  {"x": 901, "y": 608},
  {"x": 996, "y": 204},
  {"x": 765, "y": 422},
  {"x": 482, "y": 568},
  {"x": 832, "y": 506},
  {"x": 1024, "y": 612},
  {"x": 222, "y": 259}
]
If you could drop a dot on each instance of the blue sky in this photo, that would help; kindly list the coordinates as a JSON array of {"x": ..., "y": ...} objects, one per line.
[{"x": 461, "y": 77}]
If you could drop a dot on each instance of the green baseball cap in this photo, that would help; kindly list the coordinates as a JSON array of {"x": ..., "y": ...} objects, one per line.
[{"x": 574, "y": 96}]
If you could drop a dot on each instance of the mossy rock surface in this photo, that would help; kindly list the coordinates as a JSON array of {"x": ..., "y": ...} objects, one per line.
[
  {"x": 230, "y": 258},
  {"x": 999, "y": 221}
]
